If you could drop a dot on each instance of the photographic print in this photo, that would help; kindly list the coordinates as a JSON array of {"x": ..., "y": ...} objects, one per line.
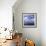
[{"x": 29, "y": 19}]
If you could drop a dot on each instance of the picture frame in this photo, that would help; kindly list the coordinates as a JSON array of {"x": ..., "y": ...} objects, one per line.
[{"x": 29, "y": 20}]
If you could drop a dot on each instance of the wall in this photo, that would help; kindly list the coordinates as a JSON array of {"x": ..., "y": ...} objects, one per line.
[
  {"x": 43, "y": 22},
  {"x": 28, "y": 6},
  {"x": 6, "y": 13}
]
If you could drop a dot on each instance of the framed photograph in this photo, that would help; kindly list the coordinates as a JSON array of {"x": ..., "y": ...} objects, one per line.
[{"x": 29, "y": 20}]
